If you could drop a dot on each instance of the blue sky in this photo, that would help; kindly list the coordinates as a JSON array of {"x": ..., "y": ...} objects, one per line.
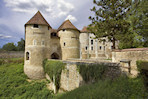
[{"x": 15, "y": 13}]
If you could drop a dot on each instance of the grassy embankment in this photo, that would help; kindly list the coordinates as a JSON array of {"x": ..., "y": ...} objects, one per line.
[{"x": 14, "y": 84}]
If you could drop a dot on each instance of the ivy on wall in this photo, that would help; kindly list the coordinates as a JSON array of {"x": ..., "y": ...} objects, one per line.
[
  {"x": 91, "y": 72},
  {"x": 54, "y": 70}
]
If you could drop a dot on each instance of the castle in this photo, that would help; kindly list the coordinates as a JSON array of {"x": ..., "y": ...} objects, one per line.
[{"x": 66, "y": 42}]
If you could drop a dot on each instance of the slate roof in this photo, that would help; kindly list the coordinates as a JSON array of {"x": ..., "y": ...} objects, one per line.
[
  {"x": 38, "y": 19},
  {"x": 67, "y": 25}
]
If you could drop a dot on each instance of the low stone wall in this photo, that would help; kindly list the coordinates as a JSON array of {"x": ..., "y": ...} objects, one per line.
[
  {"x": 11, "y": 54},
  {"x": 131, "y": 55},
  {"x": 71, "y": 78}
]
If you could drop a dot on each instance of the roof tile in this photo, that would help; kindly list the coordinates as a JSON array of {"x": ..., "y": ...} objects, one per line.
[
  {"x": 38, "y": 19},
  {"x": 67, "y": 25}
]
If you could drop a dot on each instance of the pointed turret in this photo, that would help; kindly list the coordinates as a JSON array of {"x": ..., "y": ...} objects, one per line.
[
  {"x": 67, "y": 25},
  {"x": 38, "y": 19}
]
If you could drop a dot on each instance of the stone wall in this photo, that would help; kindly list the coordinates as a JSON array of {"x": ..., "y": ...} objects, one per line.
[
  {"x": 131, "y": 55},
  {"x": 72, "y": 79},
  {"x": 11, "y": 54}
]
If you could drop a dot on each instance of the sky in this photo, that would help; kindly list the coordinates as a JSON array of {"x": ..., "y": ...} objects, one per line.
[{"x": 15, "y": 13}]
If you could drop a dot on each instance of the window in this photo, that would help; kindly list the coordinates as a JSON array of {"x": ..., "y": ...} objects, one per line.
[
  {"x": 100, "y": 47},
  {"x": 91, "y": 42},
  {"x": 103, "y": 42},
  {"x": 35, "y": 26},
  {"x": 48, "y": 27},
  {"x": 86, "y": 48},
  {"x": 42, "y": 43},
  {"x": 27, "y": 55},
  {"x": 64, "y": 43},
  {"x": 34, "y": 42},
  {"x": 91, "y": 48},
  {"x": 63, "y": 30},
  {"x": 104, "y": 48},
  {"x": 111, "y": 47},
  {"x": 53, "y": 34}
]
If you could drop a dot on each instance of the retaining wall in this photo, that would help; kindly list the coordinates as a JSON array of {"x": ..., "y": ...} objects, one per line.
[{"x": 131, "y": 55}]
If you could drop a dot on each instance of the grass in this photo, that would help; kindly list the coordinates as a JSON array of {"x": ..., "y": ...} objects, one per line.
[
  {"x": 14, "y": 84},
  {"x": 121, "y": 88}
]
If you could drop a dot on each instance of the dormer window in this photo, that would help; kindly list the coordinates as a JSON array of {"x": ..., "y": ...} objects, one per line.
[
  {"x": 35, "y": 26},
  {"x": 53, "y": 34}
]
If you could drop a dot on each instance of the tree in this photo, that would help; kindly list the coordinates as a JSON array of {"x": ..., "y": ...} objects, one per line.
[
  {"x": 139, "y": 20},
  {"x": 21, "y": 45},
  {"x": 9, "y": 47},
  {"x": 110, "y": 19}
]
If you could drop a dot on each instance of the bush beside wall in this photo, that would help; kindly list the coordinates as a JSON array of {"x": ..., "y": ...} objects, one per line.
[
  {"x": 91, "y": 72},
  {"x": 54, "y": 70},
  {"x": 143, "y": 71}
]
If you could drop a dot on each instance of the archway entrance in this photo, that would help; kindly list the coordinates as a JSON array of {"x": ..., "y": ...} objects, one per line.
[{"x": 54, "y": 56}]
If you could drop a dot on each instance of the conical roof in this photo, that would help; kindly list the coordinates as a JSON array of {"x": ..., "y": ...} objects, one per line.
[
  {"x": 38, "y": 19},
  {"x": 85, "y": 30},
  {"x": 67, "y": 25}
]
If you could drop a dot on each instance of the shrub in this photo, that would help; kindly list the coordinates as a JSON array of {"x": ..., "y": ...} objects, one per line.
[
  {"x": 143, "y": 69},
  {"x": 91, "y": 72},
  {"x": 54, "y": 70}
]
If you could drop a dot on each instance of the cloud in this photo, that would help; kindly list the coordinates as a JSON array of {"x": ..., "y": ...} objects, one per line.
[
  {"x": 54, "y": 8},
  {"x": 71, "y": 18},
  {"x": 4, "y": 37}
]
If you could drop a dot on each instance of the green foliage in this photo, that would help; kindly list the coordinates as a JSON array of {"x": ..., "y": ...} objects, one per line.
[
  {"x": 14, "y": 84},
  {"x": 131, "y": 41},
  {"x": 9, "y": 47},
  {"x": 139, "y": 18},
  {"x": 12, "y": 47},
  {"x": 21, "y": 45},
  {"x": 121, "y": 88},
  {"x": 91, "y": 72},
  {"x": 110, "y": 19},
  {"x": 54, "y": 70},
  {"x": 143, "y": 69},
  {"x": 11, "y": 61}
]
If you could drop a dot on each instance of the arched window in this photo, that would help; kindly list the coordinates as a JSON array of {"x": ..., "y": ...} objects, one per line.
[{"x": 27, "y": 55}]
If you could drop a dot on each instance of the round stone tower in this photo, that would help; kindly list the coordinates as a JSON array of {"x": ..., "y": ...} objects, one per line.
[
  {"x": 84, "y": 43},
  {"x": 36, "y": 41},
  {"x": 69, "y": 40}
]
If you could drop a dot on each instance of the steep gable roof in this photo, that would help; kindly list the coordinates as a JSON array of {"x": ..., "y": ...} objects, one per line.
[
  {"x": 67, "y": 25},
  {"x": 85, "y": 30},
  {"x": 38, "y": 19}
]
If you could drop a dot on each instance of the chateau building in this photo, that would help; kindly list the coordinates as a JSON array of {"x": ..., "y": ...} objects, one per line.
[{"x": 66, "y": 42}]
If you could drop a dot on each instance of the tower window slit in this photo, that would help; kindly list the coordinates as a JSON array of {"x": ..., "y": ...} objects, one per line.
[
  {"x": 64, "y": 44},
  {"x": 27, "y": 55}
]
